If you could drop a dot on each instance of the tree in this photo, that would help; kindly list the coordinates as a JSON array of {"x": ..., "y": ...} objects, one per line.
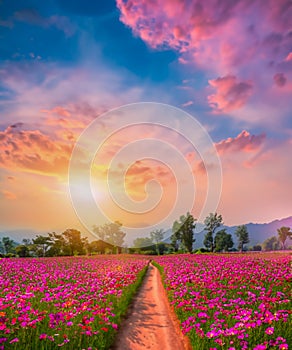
[
  {"x": 271, "y": 243},
  {"x": 242, "y": 235},
  {"x": 8, "y": 245},
  {"x": 111, "y": 233},
  {"x": 99, "y": 246},
  {"x": 157, "y": 237},
  {"x": 183, "y": 232},
  {"x": 41, "y": 244},
  {"x": 212, "y": 223},
  {"x": 59, "y": 245},
  {"x": 175, "y": 239},
  {"x": 283, "y": 233},
  {"x": 74, "y": 241},
  {"x": 27, "y": 242},
  {"x": 223, "y": 241},
  {"x": 22, "y": 251},
  {"x": 144, "y": 244}
]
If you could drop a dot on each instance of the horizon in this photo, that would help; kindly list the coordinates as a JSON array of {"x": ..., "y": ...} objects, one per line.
[
  {"x": 82, "y": 68},
  {"x": 29, "y": 233}
]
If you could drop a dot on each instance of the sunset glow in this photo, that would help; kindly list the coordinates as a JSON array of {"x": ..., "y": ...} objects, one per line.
[{"x": 65, "y": 64}]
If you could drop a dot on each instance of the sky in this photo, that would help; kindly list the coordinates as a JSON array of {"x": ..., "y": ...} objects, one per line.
[{"x": 69, "y": 67}]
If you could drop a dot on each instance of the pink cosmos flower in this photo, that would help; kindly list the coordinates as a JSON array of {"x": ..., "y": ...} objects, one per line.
[
  {"x": 269, "y": 330},
  {"x": 15, "y": 340}
]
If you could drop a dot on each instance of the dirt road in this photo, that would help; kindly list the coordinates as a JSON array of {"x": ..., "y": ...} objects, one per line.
[{"x": 150, "y": 323}]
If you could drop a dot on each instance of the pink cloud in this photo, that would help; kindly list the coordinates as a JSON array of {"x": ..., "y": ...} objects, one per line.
[
  {"x": 197, "y": 25},
  {"x": 231, "y": 94},
  {"x": 289, "y": 57},
  {"x": 187, "y": 104},
  {"x": 59, "y": 110},
  {"x": 223, "y": 38},
  {"x": 69, "y": 123},
  {"x": 244, "y": 142}
]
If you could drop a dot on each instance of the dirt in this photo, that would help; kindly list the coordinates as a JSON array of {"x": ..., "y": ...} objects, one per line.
[{"x": 151, "y": 323}]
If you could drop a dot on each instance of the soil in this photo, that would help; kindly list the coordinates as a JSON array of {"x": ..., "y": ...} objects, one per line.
[{"x": 151, "y": 323}]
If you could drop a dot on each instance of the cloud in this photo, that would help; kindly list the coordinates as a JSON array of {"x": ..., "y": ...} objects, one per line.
[
  {"x": 231, "y": 94},
  {"x": 32, "y": 151},
  {"x": 196, "y": 26},
  {"x": 289, "y": 57},
  {"x": 8, "y": 195},
  {"x": 280, "y": 79},
  {"x": 59, "y": 110},
  {"x": 83, "y": 91},
  {"x": 225, "y": 39},
  {"x": 244, "y": 142},
  {"x": 187, "y": 104}
]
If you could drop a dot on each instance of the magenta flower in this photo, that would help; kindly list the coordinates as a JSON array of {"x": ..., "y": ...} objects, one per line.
[
  {"x": 269, "y": 330},
  {"x": 15, "y": 340}
]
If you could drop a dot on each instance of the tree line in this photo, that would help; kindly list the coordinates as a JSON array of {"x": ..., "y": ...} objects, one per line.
[
  {"x": 111, "y": 240},
  {"x": 68, "y": 243}
]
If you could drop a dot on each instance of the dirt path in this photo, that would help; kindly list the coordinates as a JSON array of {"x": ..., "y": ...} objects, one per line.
[{"x": 150, "y": 324}]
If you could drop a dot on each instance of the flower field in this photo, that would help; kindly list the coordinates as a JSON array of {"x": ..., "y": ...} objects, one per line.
[
  {"x": 74, "y": 303},
  {"x": 232, "y": 301}
]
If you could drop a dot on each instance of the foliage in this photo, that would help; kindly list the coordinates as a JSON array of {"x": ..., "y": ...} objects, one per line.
[
  {"x": 157, "y": 237},
  {"x": 223, "y": 241},
  {"x": 99, "y": 247},
  {"x": 74, "y": 242},
  {"x": 183, "y": 232},
  {"x": 22, "y": 251},
  {"x": 201, "y": 251},
  {"x": 212, "y": 223},
  {"x": 8, "y": 245},
  {"x": 111, "y": 233},
  {"x": 257, "y": 248},
  {"x": 59, "y": 245},
  {"x": 143, "y": 242},
  {"x": 271, "y": 243},
  {"x": 242, "y": 235},
  {"x": 40, "y": 245},
  {"x": 284, "y": 233}
]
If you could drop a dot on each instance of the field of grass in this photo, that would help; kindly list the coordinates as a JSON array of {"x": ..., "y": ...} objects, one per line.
[
  {"x": 231, "y": 301},
  {"x": 73, "y": 303}
]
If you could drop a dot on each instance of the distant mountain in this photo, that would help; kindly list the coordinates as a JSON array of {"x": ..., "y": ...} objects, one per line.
[
  {"x": 258, "y": 233},
  {"x": 19, "y": 235}
]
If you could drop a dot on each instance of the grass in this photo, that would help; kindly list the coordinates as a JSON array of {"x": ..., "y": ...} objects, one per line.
[{"x": 75, "y": 303}]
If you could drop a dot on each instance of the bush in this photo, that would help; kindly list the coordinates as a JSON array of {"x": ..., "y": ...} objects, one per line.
[
  {"x": 9, "y": 255},
  {"x": 201, "y": 251}
]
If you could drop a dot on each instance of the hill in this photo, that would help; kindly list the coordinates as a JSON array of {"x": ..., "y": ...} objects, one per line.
[{"x": 258, "y": 233}]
